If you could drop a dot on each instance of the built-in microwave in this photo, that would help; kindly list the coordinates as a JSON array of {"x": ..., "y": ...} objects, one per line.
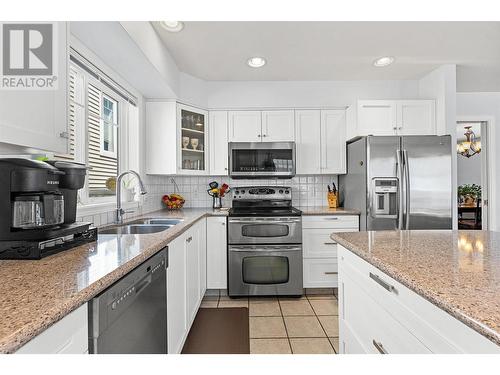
[{"x": 261, "y": 159}]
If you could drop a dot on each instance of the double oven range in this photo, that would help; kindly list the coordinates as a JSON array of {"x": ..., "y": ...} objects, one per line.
[{"x": 264, "y": 243}]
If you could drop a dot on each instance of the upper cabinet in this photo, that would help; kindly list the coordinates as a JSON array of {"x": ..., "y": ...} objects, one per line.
[
  {"x": 245, "y": 126},
  {"x": 38, "y": 118},
  {"x": 396, "y": 117},
  {"x": 176, "y": 138},
  {"x": 278, "y": 126},
  {"x": 261, "y": 126},
  {"x": 218, "y": 138},
  {"x": 320, "y": 141}
]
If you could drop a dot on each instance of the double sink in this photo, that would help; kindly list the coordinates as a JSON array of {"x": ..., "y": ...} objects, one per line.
[{"x": 142, "y": 226}]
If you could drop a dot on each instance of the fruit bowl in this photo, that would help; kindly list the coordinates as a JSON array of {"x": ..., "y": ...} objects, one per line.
[{"x": 173, "y": 201}]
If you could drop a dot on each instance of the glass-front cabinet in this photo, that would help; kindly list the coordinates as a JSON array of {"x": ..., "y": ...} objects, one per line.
[{"x": 193, "y": 140}]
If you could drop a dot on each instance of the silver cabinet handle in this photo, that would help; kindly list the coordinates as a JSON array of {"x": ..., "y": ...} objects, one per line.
[
  {"x": 189, "y": 239},
  {"x": 258, "y": 135},
  {"x": 264, "y": 135},
  {"x": 379, "y": 347},
  {"x": 331, "y": 218},
  {"x": 330, "y": 273},
  {"x": 223, "y": 224},
  {"x": 330, "y": 243},
  {"x": 382, "y": 283}
]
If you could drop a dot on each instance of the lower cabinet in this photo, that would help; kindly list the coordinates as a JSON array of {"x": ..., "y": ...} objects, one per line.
[
  {"x": 67, "y": 336},
  {"x": 320, "y": 251},
  {"x": 216, "y": 252},
  {"x": 405, "y": 322},
  {"x": 186, "y": 283}
]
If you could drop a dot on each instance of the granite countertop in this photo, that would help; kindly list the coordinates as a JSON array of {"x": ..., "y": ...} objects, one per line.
[
  {"x": 38, "y": 293},
  {"x": 325, "y": 210},
  {"x": 458, "y": 271}
]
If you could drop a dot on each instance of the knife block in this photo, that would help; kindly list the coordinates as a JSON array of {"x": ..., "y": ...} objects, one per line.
[{"x": 333, "y": 199}]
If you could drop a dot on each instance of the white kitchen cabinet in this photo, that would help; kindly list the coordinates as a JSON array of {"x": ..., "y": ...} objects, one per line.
[
  {"x": 278, "y": 126},
  {"x": 406, "y": 322},
  {"x": 333, "y": 141},
  {"x": 193, "y": 271},
  {"x": 218, "y": 136},
  {"x": 39, "y": 118},
  {"x": 202, "y": 251},
  {"x": 168, "y": 124},
  {"x": 67, "y": 336},
  {"x": 416, "y": 117},
  {"x": 307, "y": 136},
  {"x": 177, "y": 326},
  {"x": 396, "y": 117},
  {"x": 216, "y": 253},
  {"x": 245, "y": 126},
  {"x": 320, "y": 251}
]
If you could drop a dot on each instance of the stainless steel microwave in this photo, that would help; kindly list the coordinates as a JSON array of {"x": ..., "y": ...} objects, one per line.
[{"x": 261, "y": 159}]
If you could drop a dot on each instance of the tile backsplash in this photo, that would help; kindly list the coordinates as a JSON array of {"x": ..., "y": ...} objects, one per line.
[{"x": 307, "y": 191}]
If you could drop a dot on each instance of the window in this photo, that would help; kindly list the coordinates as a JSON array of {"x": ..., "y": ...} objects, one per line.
[{"x": 98, "y": 125}]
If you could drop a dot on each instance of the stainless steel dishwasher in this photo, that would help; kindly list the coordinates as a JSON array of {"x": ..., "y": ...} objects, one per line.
[{"x": 130, "y": 317}]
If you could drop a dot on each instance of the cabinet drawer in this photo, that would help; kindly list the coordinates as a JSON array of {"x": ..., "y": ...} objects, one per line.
[
  {"x": 371, "y": 326},
  {"x": 68, "y": 336},
  {"x": 331, "y": 222},
  {"x": 320, "y": 273},
  {"x": 318, "y": 244},
  {"x": 439, "y": 331}
]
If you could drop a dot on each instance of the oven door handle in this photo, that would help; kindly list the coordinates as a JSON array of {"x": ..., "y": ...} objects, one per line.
[
  {"x": 263, "y": 221},
  {"x": 264, "y": 249}
]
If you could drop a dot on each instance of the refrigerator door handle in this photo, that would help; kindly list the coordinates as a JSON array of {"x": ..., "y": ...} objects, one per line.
[
  {"x": 399, "y": 175},
  {"x": 407, "y": 189}
]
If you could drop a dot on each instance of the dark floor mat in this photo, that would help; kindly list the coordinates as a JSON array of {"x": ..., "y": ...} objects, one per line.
[{"x": 219, "y": 331}]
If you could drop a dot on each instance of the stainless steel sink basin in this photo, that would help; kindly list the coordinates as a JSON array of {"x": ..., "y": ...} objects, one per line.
[
  {"x": 136, "y": 229},
  {"x": 158, "y": 221}
]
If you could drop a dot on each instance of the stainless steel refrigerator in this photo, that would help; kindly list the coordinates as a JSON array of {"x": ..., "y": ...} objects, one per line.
[{"x": 399, "y": 182}]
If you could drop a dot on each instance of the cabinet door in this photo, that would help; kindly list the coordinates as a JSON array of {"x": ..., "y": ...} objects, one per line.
[
  {"x": 278, "y": 126},
  {"x": 216, "y": 253},
  {"x": 202, "y": 251},
  {"x": 376, "y": 117},
  {"x": 67, "y": 336},
  {"x": 192, "y": 140},
  {"x": 161, "y": 138},
  {"x": 333, "y": 138},
  {"x": 320, "y": 273},
  {"x": 307, "y": 136},
  {"x": 192, "y": 273},
  {"x": 416, "y": 117},
  {"x": 176, "y": 295},
  {"x": 245, "y": 126},
  {"x": 39, "y": 118},
  {"x": 218, "y": 135}
]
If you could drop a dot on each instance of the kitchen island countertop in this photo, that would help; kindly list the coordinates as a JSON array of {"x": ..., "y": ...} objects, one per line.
[{"x": 458, "y": 271}]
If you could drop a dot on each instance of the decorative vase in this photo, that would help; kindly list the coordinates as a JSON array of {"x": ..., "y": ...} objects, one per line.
[{"x": 216, "y": 202}]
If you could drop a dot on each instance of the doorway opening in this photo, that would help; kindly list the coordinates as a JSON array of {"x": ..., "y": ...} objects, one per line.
[{"x": 472, "y": 175}]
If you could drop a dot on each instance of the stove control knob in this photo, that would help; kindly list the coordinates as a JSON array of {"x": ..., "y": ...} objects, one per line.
[
  {"x": 237, "y": 192},
  {"x": 243, "y": 192},
  {"x": 287, "y": 191},
  {"x": 281, "y": 191}
]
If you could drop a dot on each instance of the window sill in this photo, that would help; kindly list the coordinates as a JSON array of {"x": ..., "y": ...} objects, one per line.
[{"x": 100, "y": 208}]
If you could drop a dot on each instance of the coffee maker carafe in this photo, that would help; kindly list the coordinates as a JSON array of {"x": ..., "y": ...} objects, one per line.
[{"x": 38, "y": 202}]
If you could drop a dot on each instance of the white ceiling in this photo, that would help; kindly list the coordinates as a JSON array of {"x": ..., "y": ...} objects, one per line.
[{"x": 217, "y": 51}]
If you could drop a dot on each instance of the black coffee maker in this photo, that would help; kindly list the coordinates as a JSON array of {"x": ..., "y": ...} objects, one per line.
[{"x": 38, "y": 208}]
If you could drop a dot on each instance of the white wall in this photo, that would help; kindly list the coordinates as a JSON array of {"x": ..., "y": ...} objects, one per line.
[
  {"x": 486, "y": 107},
  {"x": 244, "y": 94},
  {"x": 469, "y": 170}
]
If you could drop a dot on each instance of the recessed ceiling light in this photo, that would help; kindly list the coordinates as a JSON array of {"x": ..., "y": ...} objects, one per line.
[
  {"x": 383, "y": 61},
  {"x": 256, "y": 62},
  {"x": 172, "y": 26}
]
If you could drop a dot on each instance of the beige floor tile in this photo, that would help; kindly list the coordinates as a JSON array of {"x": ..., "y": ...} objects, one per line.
[
  {"x": 267, "y": 327},
  {"x": 330, "y": 325},
  {"x": 233, "y": 302},
  {"x": 269, "y": 346},
  {"x": 303, "y": 298},
  {"x": 262, "y": 299},
  {"x": 299, "y": 307},
  {"x": 209, "y": 303},
  {"x": 335, "y": 343},
  {"x": 303, "y": 326},
  {"x": 264, "y": 308},
  {"x": 325, "y": 306},
  {"x": 311, "y": 346},
  {"x": 321, "y": 296}
]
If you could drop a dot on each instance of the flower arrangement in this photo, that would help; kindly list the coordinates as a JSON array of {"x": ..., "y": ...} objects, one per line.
[{"x": 469, "y": 193}]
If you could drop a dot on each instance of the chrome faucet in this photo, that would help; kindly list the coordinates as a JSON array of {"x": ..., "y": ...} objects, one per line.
[{"x": 119, "y": 210}]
